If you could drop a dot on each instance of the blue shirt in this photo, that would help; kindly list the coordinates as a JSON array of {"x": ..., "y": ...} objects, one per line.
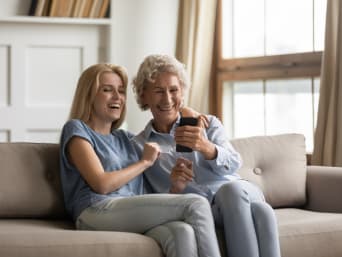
[
  {"x": 115, "y": 152},
  {"x": 209, "y": 174}
]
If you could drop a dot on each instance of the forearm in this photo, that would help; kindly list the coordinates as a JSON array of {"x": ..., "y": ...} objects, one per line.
[
  {"x": 111, "y": 181},
  {"x": 209, "y": 151},
  {"x": 227, "y": 159}
]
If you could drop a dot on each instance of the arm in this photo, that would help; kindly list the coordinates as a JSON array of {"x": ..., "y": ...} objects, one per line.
[
  {"x": 213, "y": 144},
  {"x": 324, "y": 188},
  {"x": 83, "y": 157}
]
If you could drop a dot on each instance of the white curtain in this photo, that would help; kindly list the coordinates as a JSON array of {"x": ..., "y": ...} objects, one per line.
[
  {"x": 328, "y": 134},
  {"x": 195, "y": 41}
]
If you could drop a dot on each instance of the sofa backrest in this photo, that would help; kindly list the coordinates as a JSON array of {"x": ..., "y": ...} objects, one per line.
[
  {"x": 278, "y": 165},
  {"x": 29, "y": 181}
]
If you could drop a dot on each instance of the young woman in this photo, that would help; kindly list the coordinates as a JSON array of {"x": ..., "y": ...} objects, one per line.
[
  {"x": 101, "y": 173},
  {"x": 238, "y": 206}
]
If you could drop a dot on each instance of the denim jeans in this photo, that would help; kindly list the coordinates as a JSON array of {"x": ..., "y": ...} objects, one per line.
[
  {"x": 249, "y": 223},
  {"x": 185, "y": 219}
]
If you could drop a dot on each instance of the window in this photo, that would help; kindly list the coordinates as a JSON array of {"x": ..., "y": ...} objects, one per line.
[{"x": 268, "y": 58}]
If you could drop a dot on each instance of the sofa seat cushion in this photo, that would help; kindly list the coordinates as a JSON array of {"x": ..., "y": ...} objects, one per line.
[
  {"x": 309, "y": 234},
  {"x": 34, "y": 238}
]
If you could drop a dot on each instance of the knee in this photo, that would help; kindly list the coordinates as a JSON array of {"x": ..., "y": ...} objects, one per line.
[
  {"x": 198, "y": 203},
  {"x": 180, "y": 228},
  {"x": 231, "y": 193},
  {"x": 198, "y": 200},
  {"x": 263, "y": 214},
  {"x": 262, "y": 209}
]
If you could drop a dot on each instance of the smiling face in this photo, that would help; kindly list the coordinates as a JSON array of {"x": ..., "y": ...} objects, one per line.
[
  {"x": 109, "y": 101},
  {"x": 164, "y": 98}
]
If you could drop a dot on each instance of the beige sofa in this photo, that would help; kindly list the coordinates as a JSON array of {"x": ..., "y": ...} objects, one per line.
[{"x": 33, "y": 221}]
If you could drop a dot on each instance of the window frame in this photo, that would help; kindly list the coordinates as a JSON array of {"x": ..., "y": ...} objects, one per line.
[{"x": 297, "y": 65}]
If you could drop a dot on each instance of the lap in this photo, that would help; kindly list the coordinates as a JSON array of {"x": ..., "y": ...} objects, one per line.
[
  {"x": 240, "y": 187},
  {"x": 238, "y": 194},
  {"x": 136, "y": 214}
]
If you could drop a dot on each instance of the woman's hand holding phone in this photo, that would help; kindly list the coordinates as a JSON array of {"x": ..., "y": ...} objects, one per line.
[
  {"x": 190, "y": 137},
  {"x": 181, "y": 175}
]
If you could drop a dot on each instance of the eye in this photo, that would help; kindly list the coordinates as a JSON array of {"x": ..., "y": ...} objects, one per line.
[
  {"x": 158, "y": 91},
  {"x": 106, "y": 89},
  {"x": 122, "y": 91}
]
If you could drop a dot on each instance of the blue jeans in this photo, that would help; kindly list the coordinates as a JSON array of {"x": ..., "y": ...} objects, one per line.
[
  {"x": 182, "y": 224},
  {"x": 249, "y": 223}
]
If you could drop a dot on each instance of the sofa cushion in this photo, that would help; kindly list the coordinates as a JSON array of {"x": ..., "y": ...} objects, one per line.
[
  {"x": 277, "y": 164},
  {"x": 306, "y": 233},
  {"x": 35, "y": 238},
  {"x": 30, "y": 183}
]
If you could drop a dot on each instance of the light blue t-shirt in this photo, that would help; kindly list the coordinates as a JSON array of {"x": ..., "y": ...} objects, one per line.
[
  {"x": 210, "y": 175},
  {"x": 115, "y": 152}
]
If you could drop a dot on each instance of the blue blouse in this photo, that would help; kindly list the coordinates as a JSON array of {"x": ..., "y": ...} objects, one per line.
[
  {"x": 115, "y": 152},
  {"x": 210, "y": 175}
]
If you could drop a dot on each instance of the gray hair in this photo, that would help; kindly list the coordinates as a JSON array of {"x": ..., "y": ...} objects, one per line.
[{"x": 151, "y": 68}]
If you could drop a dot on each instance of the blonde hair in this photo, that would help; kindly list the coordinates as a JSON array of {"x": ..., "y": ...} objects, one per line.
[
  {"x": 87, "y": 87},
  {"x": 151, "y": 68}
]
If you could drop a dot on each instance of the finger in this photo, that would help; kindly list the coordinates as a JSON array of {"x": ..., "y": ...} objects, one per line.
[
  {"x": 155, "y": 146},
  {"x": 188, "y": 172},
  {"x": 186, "y": 128},
  {"x": 186, "y": 166},
  {"x": 203, "y": 121},
  {"x": 189, "y": 143},
  {"x": 176, "y": 179},
  {"x": 190, "y": 134},
  {"x": 182, "y": 160},
  {"x": 185, "y": 175}
]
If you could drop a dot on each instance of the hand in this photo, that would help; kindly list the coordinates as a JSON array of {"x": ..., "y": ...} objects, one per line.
[
  {"x": 181, "y": 175},
  {"x": 202, "y": 119},
  {"x": 193, "y": 137},
  {"x": 150, "y": 153}
]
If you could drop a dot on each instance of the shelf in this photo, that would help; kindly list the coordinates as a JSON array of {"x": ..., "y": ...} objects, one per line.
[{"x": 55, "y": 20}]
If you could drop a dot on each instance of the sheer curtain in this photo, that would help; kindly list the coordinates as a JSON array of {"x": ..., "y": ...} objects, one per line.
[
  {"x": 195, "y": 37},
  {"x": 328, "y": 134}
]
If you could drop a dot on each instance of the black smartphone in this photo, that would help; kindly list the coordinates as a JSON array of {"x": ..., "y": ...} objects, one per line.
[{"x": 190, "y": 121}]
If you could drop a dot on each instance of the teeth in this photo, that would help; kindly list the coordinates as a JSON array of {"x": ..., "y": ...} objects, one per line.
[
  {"x": 165, "y": 108},
  {"x": 114, "y": 105}
]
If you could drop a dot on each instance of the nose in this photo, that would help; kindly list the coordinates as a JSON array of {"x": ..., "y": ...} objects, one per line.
[
  {"x": 116, "y": 94},
  {"x": 167, "y": 96}
]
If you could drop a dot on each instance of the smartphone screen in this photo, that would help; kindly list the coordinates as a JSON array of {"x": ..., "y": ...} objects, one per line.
[{"x": 190, "y": 121}]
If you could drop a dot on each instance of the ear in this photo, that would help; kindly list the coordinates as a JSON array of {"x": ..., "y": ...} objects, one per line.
[{"x": 144, "y": 101}]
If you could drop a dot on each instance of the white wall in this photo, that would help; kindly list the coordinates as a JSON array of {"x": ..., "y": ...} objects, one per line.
[
  {"x": 35, "y": 105},
  {"x": 141, "y": 27}
]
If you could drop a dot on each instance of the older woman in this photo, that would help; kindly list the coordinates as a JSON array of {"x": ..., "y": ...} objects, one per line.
[
  {"x": 209, "y": 170},
  {"x": 101, "y": 173}
]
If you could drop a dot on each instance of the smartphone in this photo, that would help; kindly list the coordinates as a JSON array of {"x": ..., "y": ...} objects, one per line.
[{"x": 190, "y": 121}]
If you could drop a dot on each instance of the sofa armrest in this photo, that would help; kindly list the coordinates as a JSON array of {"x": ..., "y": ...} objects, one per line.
[{"x": 324, "y": 188}]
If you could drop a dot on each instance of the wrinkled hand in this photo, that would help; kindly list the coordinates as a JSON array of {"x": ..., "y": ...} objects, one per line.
[
  {"x": 193, "y": 137},
  {"x": 150, "y": 153},
  {"x": 181, "y": 175}
]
